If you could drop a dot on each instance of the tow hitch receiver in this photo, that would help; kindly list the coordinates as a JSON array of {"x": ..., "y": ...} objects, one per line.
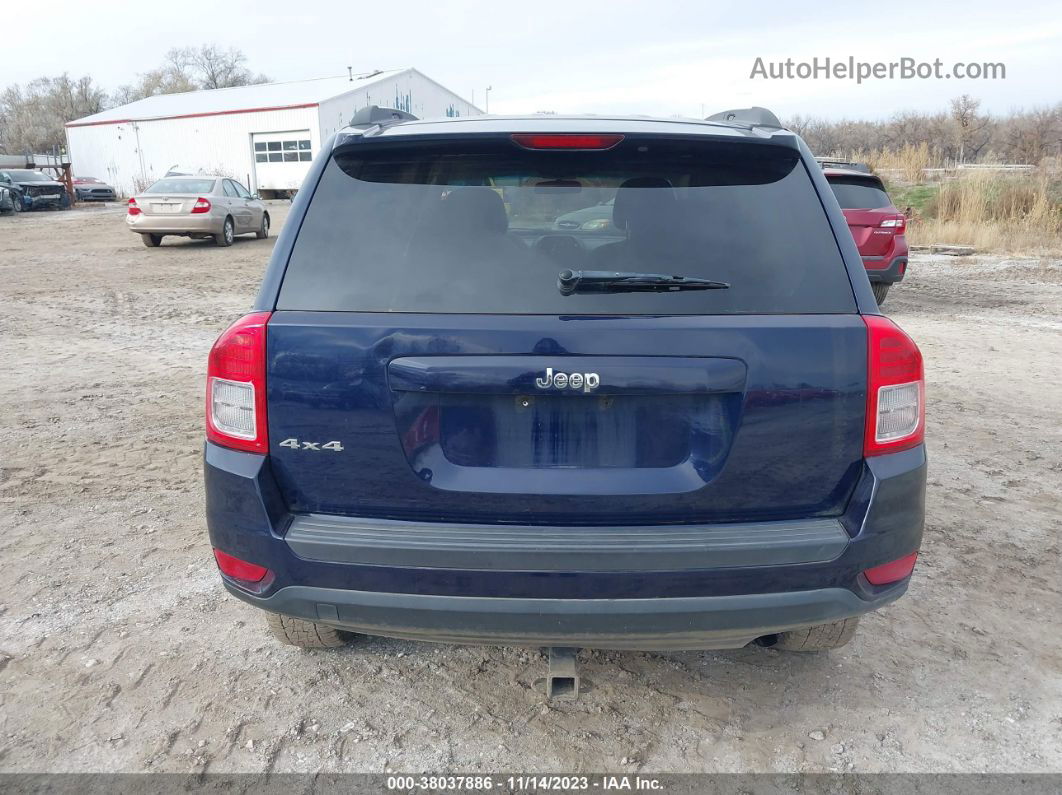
[{"x": 562, "y": 680}]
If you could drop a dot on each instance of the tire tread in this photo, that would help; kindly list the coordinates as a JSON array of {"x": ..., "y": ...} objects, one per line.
[
  {"x": 305, "y": 634},
  {"x": 819, "y": 637}
]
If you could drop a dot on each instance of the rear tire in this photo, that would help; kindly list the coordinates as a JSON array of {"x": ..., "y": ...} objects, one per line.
[
  {"x": 263, "y": 230},
  {"x": 151, "y": 241},
  {"x": 305, "y": 634},
  {"x": 881, "y": 289},
  {"x": 817, "y": 638},
  {"x": 228, "y": 234}
]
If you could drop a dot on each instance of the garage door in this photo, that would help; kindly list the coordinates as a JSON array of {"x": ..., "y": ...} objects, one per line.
[{"x": 281, "y": 159}]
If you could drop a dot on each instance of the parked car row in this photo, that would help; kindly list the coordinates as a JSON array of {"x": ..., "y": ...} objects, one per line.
[
  {"x": 29, "y": 189},
  {"x": 199, "y": 207}
]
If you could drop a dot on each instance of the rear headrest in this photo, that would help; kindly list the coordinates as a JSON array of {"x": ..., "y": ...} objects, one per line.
[
  {"x": 634, "y": 205},
  {"x": 467, "y": 210}
]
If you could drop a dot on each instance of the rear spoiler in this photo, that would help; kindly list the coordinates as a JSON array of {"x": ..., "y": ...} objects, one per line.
[
  {"x": 375, "y": 116},
  {"x": 749, "y": 117}
]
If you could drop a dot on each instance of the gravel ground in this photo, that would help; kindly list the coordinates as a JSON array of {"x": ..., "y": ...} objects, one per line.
[{"x": 119, "y": 650}]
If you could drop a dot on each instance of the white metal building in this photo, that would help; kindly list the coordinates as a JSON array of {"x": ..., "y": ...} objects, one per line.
[{"x": 264, "y": 135}]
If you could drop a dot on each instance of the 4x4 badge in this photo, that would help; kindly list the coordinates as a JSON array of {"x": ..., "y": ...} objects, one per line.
[
  {"x": 295, "y": 444},
  {"x": 584, "y": 381}
]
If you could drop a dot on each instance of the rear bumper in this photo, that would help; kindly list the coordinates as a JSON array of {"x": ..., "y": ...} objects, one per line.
[
  {"x": 889, "y": 274},
  {"x": 706, "y": 622},
  {"x": 183, "y": 224},
  {"x": 668, "y": 587}
]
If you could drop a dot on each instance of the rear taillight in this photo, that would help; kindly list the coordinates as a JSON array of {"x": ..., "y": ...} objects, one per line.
[
  {"x": 566, "y": 141},
  {"x": 895, "y": 389},
  {"x": 134, "y": 209},
  {"x": 893, "y": 571},
  {"x": 246, "y": 576},
  {"x": 236, "y": 399},
  {"x": 201, "y": 206},
  {"x": 897, "y": 223},
  {"x": 239, "y": 569}
]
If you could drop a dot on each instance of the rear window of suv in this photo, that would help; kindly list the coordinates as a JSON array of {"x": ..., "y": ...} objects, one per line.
[
  {"x": 484, "y": 226},
  {"x": 859, "y": 193}
]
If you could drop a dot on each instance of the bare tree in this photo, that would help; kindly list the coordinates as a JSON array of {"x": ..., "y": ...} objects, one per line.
[
  {"x": 906, "y": 127},
  {"x": 189, "y": 69},
  {"x": 960, "y": 133},
  {"x": 218, "y": 68},
  {"x": 173, "y": 76},
  {"x": 163, "y": 80},
  {"x": 32, "y": 118},
  {"x": 1036, "y": 134},
  {"x": 799, "y": 124},
  {"x": 972, "y": 130},
  {"x": 822, "y": 136}
]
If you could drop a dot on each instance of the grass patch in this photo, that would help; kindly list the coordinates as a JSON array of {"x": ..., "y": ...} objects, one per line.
[
  {"x": 1004, "y": 213},
  {"x": 908, "y": 161},
  {"x": 995, "y": 237},
  {"x": 917, "y": 197}
]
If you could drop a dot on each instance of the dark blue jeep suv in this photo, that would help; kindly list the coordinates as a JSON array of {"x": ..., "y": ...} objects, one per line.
[{"x": 449, "y": 419}]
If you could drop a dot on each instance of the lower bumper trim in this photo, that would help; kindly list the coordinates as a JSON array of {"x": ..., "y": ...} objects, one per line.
[
  {"x": 705, "y": 622},
  {"x": 891, "y": 274},
  {"x": 339, "y": 539}
]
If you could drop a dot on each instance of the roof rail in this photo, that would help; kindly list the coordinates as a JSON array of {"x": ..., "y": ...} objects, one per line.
[
  {"x": 374, "y": 115},
  {"x": 840, "y": 162},
  {"x": 753, "y": 117}
]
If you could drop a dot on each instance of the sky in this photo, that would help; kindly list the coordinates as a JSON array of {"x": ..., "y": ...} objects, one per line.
[{"x": 654, "y": 57}]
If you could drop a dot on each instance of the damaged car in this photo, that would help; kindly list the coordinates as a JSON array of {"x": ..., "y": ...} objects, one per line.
[{"x": 37, "y": 188}]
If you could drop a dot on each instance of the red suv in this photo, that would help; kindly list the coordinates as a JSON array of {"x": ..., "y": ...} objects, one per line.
[{"x": 877, "y": 226}]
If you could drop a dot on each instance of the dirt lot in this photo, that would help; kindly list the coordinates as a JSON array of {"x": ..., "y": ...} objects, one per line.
[{"x": 121, "y": 652}]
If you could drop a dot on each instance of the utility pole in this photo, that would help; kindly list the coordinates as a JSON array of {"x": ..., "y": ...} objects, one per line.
[
  {"x": 140, "y": 157},
  {"x": 486, "y": 107}
]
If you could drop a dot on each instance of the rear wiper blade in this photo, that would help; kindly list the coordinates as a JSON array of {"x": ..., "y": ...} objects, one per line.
[{"x": 569, "y": 282}]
